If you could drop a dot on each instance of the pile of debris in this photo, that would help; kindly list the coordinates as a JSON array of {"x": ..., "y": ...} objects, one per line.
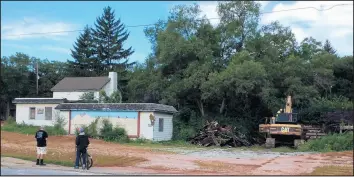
[{"x": 213, "y": 134}]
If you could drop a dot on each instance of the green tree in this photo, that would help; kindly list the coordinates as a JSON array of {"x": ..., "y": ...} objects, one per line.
[
  {"x": 328, "y": 48},
  {"x": 109, "y": 36},
  {"x": 84, "y": 64}
]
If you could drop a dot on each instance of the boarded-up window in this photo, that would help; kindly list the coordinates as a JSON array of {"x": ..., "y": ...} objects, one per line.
[
  {"x": 32, "y": 113},
  {"x": 48, "y": 113},
  {"x": 160, "y": 125}
]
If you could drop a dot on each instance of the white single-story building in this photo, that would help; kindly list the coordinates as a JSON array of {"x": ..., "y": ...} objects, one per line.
[
  {"x": 37, "y": 111},
  {"x": 140, "y": 120}
]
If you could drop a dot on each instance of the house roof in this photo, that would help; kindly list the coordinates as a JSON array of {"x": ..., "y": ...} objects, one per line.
[
  {"x": 39, "y": 101},
  {"x": 118, "y": 106},
  {"x": 71, "y": 84}
]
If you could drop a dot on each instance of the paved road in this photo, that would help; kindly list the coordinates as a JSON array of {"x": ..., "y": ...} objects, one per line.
[{"x": 30, "y": 171}]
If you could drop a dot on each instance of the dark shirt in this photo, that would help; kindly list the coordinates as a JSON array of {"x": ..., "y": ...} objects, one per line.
[
  {"x": 41, "y": 137},
  {"x": 82, "y": 141}
]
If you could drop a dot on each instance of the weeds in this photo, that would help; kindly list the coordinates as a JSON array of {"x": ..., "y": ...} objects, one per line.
[
  {"x": 11, "y": 126},
  {"x": 329, "y": 143}
]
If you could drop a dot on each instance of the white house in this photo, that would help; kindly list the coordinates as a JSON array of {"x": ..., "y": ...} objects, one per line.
[
  {"x": 140, "y": 120},
  {"x": 37, "y": 111},
  {"x": 71, "y": 88}
]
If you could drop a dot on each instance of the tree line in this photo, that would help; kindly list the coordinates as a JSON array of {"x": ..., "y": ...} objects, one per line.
[{"x": 236, "y": 72}]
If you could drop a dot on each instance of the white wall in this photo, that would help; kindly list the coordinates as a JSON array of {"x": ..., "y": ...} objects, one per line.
[
  {"x": 167, "y": 127},
  {"x": 65, "y": 115},
  {"x": 146, "y": 129},
  {"x": 76, "y": 95},
  {"x": 23, "y": 114},
  {"x": 68, "y": 95}
]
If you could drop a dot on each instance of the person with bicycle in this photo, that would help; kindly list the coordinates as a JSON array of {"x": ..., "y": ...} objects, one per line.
[{"x": 82, "y": 142}]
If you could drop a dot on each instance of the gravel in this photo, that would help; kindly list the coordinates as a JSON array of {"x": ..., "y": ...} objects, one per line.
[{"x": 232, "y": 153}]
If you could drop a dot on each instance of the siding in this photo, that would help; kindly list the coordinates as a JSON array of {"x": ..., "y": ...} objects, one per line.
[
  {"x": 23, "y": 111},
  {"x": 68, "y": 95},
  {"x": 146, "y": 130},
  {"x": 77, "y": 95},
  {"x": 167, "y": 127}
]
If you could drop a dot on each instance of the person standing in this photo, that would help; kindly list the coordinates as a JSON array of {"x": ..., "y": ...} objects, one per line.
[
  {"x": 41, "y": 137},
  {"x": 82, "y": 142}
]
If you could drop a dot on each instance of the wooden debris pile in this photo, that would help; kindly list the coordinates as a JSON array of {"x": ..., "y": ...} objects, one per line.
[{"x": 214, "y": 134}]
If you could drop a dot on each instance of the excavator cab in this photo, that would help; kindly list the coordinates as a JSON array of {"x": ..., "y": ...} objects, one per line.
[{"x": 290, "y": 118}]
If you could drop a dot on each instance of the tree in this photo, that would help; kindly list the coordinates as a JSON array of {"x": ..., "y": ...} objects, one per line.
[
  {"x": 18, "y": 79},
  {"x": 115, "y": 97},
  {"x": 109, "y": 36},
  {"x": 238, "y": 22},
  {"x": 84, "y": 64},
  {"x": 328, "y": 48}
]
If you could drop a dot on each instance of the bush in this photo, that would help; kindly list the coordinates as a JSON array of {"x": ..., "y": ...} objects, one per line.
[
  {"x": 116, "y": 134},
  {"x": 332, "y": 142},
  {"x": 90, "y": 130},
  {"x": 58, "y": 128},
  {"x": 10, "y": 120}
]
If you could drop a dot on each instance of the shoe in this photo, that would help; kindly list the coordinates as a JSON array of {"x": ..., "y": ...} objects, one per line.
[
  {"x": 41, "y": 163},
  {"x": 83, "y": 167},
  {"x": 76, "y": 167}
]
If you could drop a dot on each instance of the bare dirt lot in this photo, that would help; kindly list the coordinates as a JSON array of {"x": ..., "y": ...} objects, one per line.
[{"x": 112, "y": 156}]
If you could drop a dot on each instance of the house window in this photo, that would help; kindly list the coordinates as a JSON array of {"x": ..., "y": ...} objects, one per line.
[
  {"x": 160, "y": 124},
  {"x": 48, "y": 113},
  {"x": 32, "y": 113}
]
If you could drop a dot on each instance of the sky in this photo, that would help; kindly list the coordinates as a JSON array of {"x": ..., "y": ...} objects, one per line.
[{"x": 29, "y": 17}]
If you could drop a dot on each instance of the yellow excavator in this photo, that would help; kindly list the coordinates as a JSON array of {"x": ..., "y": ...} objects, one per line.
[{"x": 283, "y": 128}]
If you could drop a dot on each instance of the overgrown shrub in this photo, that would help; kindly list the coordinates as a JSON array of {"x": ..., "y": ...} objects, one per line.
[
  {"x": 91, "y": 130},
  {"x": 115, "y": 134},
  {"x": 332, "y": 142},
  {"x": 58, "y": 128},
  {"x": 10, "y": 120}
]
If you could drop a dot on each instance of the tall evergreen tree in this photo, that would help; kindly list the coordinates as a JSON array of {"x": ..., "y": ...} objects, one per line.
[
  {"x": 84, "y": 64},
  {"x": 328, "y": 48},
  {"x": 109, "y": 35}
]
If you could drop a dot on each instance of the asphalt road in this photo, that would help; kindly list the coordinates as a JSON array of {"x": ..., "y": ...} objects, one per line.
[{"x": 30, "y": 171}]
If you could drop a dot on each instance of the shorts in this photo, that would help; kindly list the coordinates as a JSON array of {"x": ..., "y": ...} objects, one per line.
[{"x": 41, "y": 150}]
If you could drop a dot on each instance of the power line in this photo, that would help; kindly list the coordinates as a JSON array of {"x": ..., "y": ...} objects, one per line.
[{"x": 134, "y": 26}]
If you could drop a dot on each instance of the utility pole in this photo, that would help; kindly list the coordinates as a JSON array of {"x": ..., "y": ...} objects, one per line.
[{"x": 37, "y": 76}]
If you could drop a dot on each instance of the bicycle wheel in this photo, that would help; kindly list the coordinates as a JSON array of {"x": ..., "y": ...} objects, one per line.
[
  {"x": 87, "y": 162},
  {"x": 91, "y": 162}
]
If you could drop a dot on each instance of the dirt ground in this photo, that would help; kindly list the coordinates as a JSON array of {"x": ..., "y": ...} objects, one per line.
[{"x": 151, "y": 161}]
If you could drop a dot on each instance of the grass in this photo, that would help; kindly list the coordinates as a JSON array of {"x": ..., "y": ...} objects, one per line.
[
  {"x": 33, "y": 158},
  {"x": 68, "y": 158},
  {"x": 20, "y": 128},
  {"x": 333, "y": 171},
  {"x": 11, "y": 126}
]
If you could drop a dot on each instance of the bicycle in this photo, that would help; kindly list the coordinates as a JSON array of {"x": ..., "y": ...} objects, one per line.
[{"x": 89, "y": 161}]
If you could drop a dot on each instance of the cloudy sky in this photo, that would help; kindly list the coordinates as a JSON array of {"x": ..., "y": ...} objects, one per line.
[{"x": 17, "y": 18}]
